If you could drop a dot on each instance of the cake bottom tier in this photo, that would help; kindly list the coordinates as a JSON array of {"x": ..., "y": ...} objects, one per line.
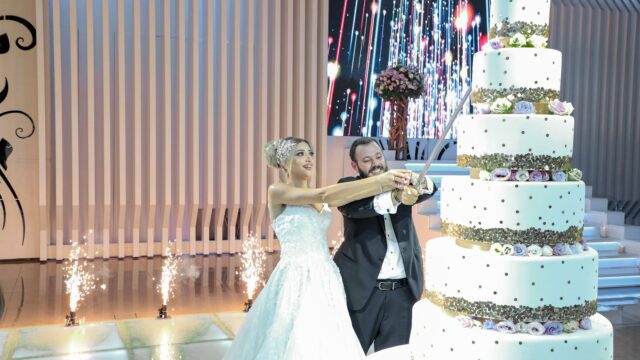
[{"x": 437, "y": 335}]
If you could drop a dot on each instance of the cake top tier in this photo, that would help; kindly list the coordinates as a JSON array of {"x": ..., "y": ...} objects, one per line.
[{"x": 527, "y": 17}]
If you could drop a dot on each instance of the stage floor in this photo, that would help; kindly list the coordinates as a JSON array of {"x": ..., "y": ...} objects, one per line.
[{"x": 120, "y": 320}]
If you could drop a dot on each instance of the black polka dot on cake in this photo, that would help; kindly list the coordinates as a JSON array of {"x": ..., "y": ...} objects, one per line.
[
  {"x": 575, "y": 348},
  {"x": 497, "y": 342},
  {"x": 520, "y": 342},
  {"x": 506, "y": 274},
  {"x": 541, "y": 266},
  {"x": 488, "y": 265},
  {"x": 502, "y": 200},
  {"x": 561, "y": 298},
  {"x": 569, "y": 282},
  {"x": 515, "y": 299},
  {"x": 533, "y": 284},
  {"x": 473, "y": 342},
  {"x": 495, "y": 293},
  {"x": 479, "y": 286},
  {"x": 551, "y": 349},
  {"x": 517, "y": 211}
]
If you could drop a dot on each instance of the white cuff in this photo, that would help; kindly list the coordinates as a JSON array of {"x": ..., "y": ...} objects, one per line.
[
  {"x": 383, "y": 204},
  {"x": 428, "y": 189}
]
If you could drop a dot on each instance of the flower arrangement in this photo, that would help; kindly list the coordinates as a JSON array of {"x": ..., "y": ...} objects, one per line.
[{"x": 400, "y": 81}]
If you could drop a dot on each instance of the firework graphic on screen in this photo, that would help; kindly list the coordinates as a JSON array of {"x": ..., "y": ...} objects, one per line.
[{"x": 367, "y": 36}]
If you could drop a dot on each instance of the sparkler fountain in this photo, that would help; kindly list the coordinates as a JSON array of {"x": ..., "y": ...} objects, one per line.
[
  {"x": 78, "y": 279},
  {"x": 253, "y": 267},
  {"x": 167, "y": 281}
]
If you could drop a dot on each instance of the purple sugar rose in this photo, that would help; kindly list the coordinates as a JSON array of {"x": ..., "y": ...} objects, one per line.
[
  {"x": 536, "y": 176},
  {"x": 576, "y": 248},
  {"x": 519, "y": 250},
  {"x": 524, "y": 107},
  {"x": 559, "y": 250},
  {"x": 489, "y": 325},
  {"x": 493, "y": 44},
  {"x": 552, "y": 328},
  {"x": 585, "y": 324},
  {"x": 545, "y": 176},
  {"x": 506, "y": 327},
  {"x": 558, "y": 107}
]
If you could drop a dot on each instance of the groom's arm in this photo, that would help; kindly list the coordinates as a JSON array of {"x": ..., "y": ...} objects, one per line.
[{"x": 369, "y": 207}]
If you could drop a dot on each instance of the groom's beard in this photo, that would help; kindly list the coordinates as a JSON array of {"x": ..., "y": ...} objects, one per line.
[{"x": 374, "y": 168}]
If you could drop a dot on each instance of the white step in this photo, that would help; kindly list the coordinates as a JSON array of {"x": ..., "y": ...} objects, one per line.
[
  {"x": 615, "y": 218},
  {"x": 614, "y": 231},
  {"x": 595, "y": 217},
  {"x": 618, "y": 281},
  {"x": 434, "y": 222},
  {"x": 429, "y": 207},
  {"x": 619, "y": 262},
  {"x": 597, "y": 204},
  {"x": 608, "y": 294},
  {"x": 591, "y": 231},
  {"x": 632, "y": 232},
  {"x": 605, "y": 246}
]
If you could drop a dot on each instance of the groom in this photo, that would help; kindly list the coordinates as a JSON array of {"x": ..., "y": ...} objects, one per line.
[{"x": 380, "y": 259}]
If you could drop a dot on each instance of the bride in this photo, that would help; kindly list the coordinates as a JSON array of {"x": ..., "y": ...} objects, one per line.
[{"x": 302, "y": 312}]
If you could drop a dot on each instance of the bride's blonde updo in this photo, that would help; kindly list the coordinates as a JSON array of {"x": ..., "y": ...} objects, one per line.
[{"x": 278, "y": 152}]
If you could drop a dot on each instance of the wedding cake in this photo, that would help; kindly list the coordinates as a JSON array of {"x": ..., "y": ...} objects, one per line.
[{"x": 513, "y": 278}]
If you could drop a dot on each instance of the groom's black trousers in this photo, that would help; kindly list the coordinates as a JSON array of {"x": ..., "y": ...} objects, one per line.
[{"x": 385, "y": 319}]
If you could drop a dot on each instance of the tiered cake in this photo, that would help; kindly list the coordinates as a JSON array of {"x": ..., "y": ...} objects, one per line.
[{"x": 513, "y": 280}]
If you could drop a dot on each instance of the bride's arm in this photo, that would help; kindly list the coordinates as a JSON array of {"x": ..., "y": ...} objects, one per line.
[{"x": 337, "y": 194}]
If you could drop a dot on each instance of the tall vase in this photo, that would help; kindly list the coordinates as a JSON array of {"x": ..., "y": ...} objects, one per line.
[{"x": 398, "y": 130}]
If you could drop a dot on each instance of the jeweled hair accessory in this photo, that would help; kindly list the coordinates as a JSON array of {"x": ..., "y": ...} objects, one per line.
[{"x": 284, "y": 148}]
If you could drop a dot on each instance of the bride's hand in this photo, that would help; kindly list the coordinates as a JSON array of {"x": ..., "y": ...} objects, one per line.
[{"x": 394, "y": 179}]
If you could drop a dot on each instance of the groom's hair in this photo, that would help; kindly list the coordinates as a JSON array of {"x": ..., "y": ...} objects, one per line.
[{"x": 358, "y": 142}]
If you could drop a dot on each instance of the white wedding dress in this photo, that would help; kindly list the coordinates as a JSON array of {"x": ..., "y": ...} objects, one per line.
[{"x": 302, "y": 311}]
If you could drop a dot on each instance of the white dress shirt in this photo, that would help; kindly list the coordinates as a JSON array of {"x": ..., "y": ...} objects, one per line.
[{"x": 392, "y": 265}]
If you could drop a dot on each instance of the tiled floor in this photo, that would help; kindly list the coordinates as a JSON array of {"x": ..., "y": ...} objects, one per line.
[{"x": 120, "y": 324}]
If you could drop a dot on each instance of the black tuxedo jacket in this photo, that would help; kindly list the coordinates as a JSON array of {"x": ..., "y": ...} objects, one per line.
[{"x": 361, "y": 255}]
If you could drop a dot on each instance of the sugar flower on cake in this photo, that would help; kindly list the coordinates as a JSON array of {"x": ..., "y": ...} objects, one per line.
[
  {"x": 537, "y": 41},
  {"x": 553, "y": 328},
  {"x": 547, "y": 251},
  {"x": 519, "y": 250},
  {"x": 482, "y": 109},
  {"x": 537, "y": 176},
  {"x": 484, "y": 175},
  {"x": 558, "y": 107},
  {"x": 489, "y": 325},
  {"x": 534, "y": 250},
  {"x": 496, "y": 248},
  {"x": 501, "y": 106},
  {"x": 493, "y": 44},
  {"x": 524, "y": 107},
  {"x": 507, "y": 249},
  {"x": 574, "y": 175},
  {"x": 500, "y": 174},
  {"x": 521, "y": 327},
  {"x": 570, "y": 327},
  {"x": 476, "y": 324},
  {"x": 576, "y": 248},
  {"x": 517, "y": 40},
  {"x": 464, "y": 321},
  {"x": 585, "y": 324},
  {"x": 560, "y": 250},
  {"x": 522, "y": 175},
  {"x": 506, "y": 327},
  {"x": 559, "y": 176},
  {"x": 535, "y": 328}
]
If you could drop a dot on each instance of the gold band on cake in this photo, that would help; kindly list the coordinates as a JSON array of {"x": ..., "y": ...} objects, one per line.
[
  {"x": 520, "y": 161},
  {"x": 531, "y": 236},
  {"x": 540, "y": 96},
  {"x": 488, "y": 309},
  {"x": 507, "y": 29}
]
